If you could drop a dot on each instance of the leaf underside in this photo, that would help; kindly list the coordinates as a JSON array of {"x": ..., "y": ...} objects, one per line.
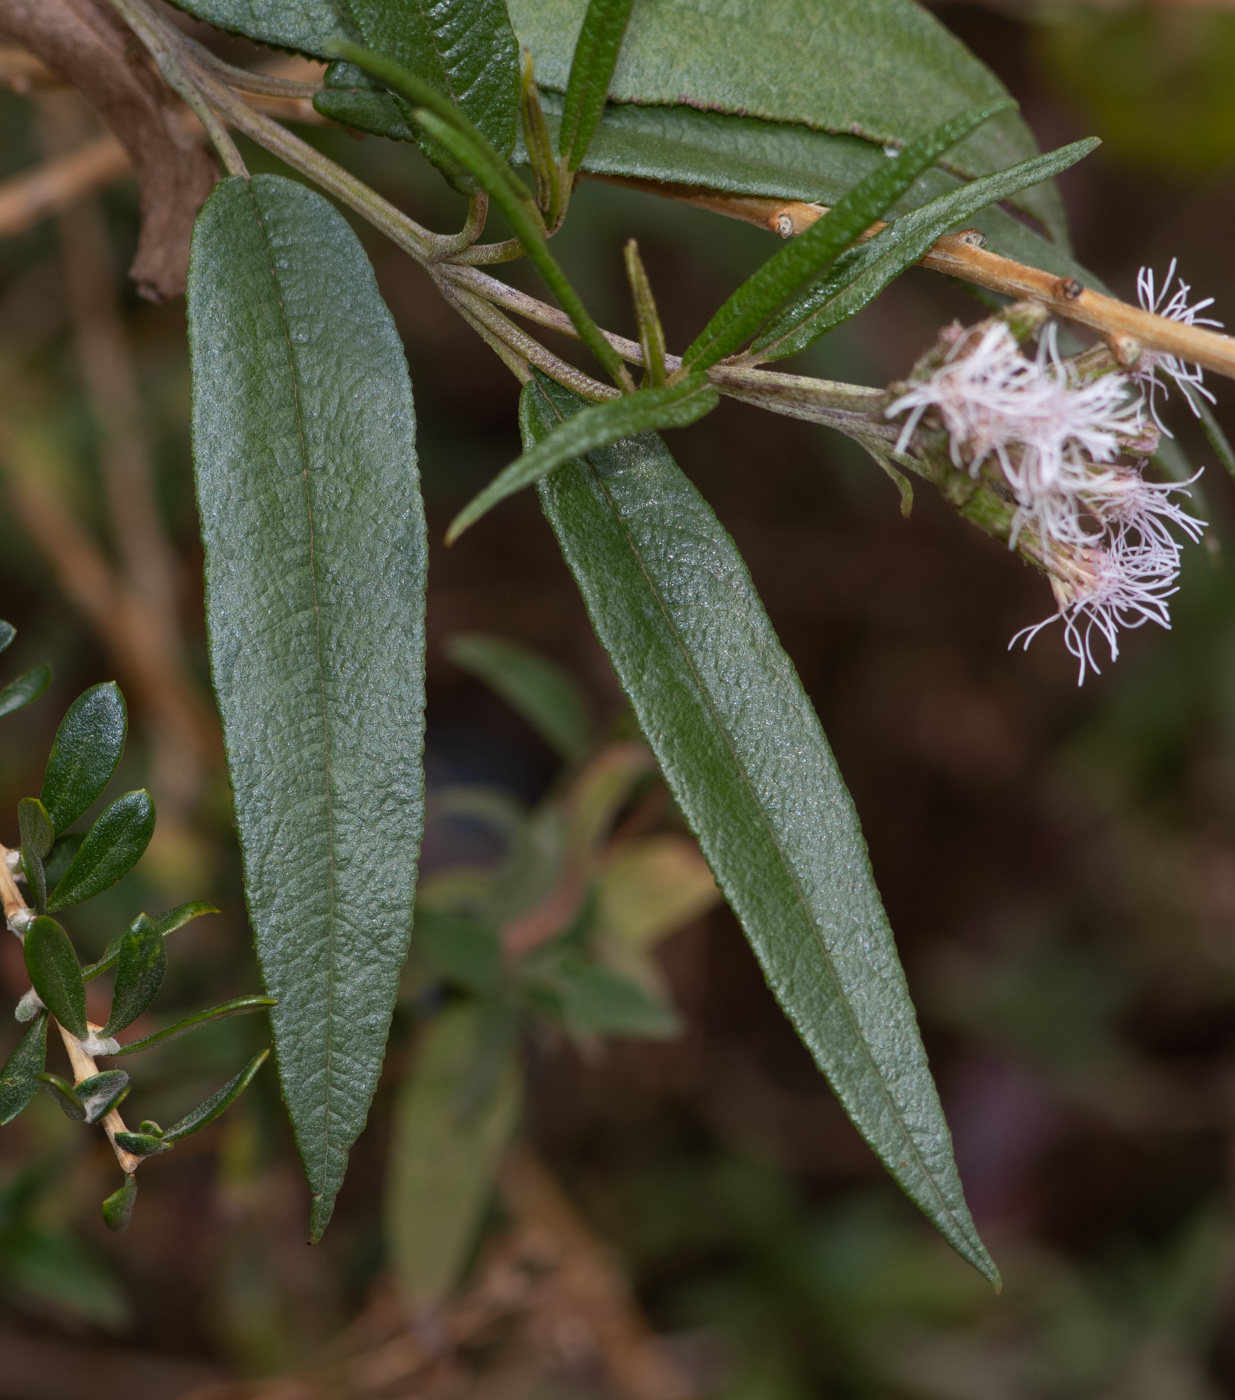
[
  {"x": 304, "y": 442},
  {"x": 742, "y": 750}
]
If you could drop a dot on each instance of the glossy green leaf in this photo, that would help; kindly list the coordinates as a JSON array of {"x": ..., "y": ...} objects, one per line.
[
  {"x": 596, "y": 52},
  {"x": 217, "y": 1104},
  {"x": 63, "y": 854},
  {"x": 55, "y": 974},
  {"x": 464, "y": 49},
  {"x": 304, "y": 442},
  {"x": 36, "y": 843},
  {"x": 531, "y": 684},
  {"x": 118, "y": 1207},
  {"x": 85, "y": 752},
  {"x": 762, "y": 293},
  {"x": 884, "y": 70},
  {"x": 101, "y": 1093},
  {"x": 24, "y": 690},
  {"x": 861, "y": 274},
  {"x": 443, "y": 1158},
  {"x": 166, "y": 923},
  {"x": 19, "y": 1079},
  {"x": 65, "y": 1096},
  {"x": 673, "y": 406},
  {"x": 113, "y": 846},
  {"x": 142, "y": 1144},
  {"x": 241, "y": 1006},
  {"x": 140, "y": 967},
  {"x": 742, "y": 750}
]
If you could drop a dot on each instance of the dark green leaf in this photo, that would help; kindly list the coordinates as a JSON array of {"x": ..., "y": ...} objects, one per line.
[
  {"x": 36, "y": 842},
  {"x": 742, "y": 750},
  {"x": 113, "y": 846},
  {"x": 464, "y": 49},
  {"x": 465, "y": 950},
  {"x": 596, "y": 52},
  {"x": 165, "y": 923},
  {"x": 63, "y": 853},
  {"x": 591, "y": 999},
  {"x": 118, "y": 1207},
  {"x": 55, "y": 974},
  {"x": 858, "y": 276},
  {"x": 760, "y": 295},
  {"x": 239, "y": 1007},
  {"x": 140, "y": 967},
  {"x": 141, "y": 1144},
  {"x": 217, "y": 1104},
  {"x": 673, "y": 406},
  {"x": 885, "y": 70},
  {"x": 7, "y": 633},
  {"x": 101, "y": 1093},
  {"x": 308, "y": 26},
  {"x": 443, "y": 1158},
  {"x": 87, "y": 748},
  {"x": 304, "y": 440},
  {"x": 540, "y": 690},
  {"x": 19, "y": 1079},
  {"x": 65, "y": 1096},
  {"x": 25, "y": 689},
  {"x": 351, "y": 97}
]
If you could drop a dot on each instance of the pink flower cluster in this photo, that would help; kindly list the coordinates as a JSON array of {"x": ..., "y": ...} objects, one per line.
[{"x": 1071, "y": 452}]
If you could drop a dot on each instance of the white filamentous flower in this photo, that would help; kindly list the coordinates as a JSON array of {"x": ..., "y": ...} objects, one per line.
[
  {"x": 1101, "y": 531},
  {"x": 1174, "y": 307}
]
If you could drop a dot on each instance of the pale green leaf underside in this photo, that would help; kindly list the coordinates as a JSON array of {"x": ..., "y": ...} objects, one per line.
[
  {"x": 304, "y": 440},
  {"x": 883, "y": 70},
  {"x": 742, "y": 749}
]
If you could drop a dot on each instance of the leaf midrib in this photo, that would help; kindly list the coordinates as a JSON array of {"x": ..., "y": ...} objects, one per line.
[
  {"x": 793, "y": 880},
  {"x": 321, "y": 674}
]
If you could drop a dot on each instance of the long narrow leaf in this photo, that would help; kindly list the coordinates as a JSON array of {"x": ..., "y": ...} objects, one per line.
[
  {"x": 743, "y": 752},
  {"x": 762, "y": 293},
  {"x": 596, "y": 51},
  {"x": 240, "y": 1007},
  {"x": 673, "y": 406},
  {"x": 304, "y": 438},
  {"x": 859, "y": 275},
  {"x": 216, "y": 1104}
]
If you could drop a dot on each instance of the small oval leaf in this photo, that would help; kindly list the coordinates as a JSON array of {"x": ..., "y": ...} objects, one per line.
[
  {"x": 141, "y": 965},
  {"x": 65, "y": 1096},
  {"x": 24, "y": 690},
  {"x": 165, "y": 923},
  {"x": 141, "y": 1144},
  {"x": 113, "y": 846},
  {"x": 85, "y": 752},
  {"x": 56, "y": 975},
  {"x": 118, "y": 1207},
  {"x": 101, "y": 1093},
  {"x": 19, "y": 1079}
]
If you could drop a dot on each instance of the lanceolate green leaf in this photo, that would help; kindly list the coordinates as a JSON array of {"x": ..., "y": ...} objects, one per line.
[
  {"x": 19, "y": 1080},
  {"x": 217, "y": 1104},
  {"x": 845, "y": 290},
  {"x": 673, "y": 406},
  {"x": 760, "y": 295},
  {"x": 444, "y": 1154},
  {"x": 140, "y": 968},
  {"x": 55, "y": 973},
  {"x": 540, "y": 690},
  {"x": 885, "y": 70},
  {"x": 113, "y": 846},
  {"x": 241, "y": 1006},
  {"x": 742, "y": 750},
  {"x": 24, "y": 690},
  {"x": 84, "y": 754},
  {"x": 596, "y": 51},
  {"x": 165, "y": 923},
  {"x": 304, "y": 440}
]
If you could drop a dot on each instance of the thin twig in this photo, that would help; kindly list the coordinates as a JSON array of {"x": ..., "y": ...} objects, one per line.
[{"x": 57, "y": 184}]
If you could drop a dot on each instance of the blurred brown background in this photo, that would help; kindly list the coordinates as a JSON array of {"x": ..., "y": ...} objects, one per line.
[{"x": 1059, "y": 864}]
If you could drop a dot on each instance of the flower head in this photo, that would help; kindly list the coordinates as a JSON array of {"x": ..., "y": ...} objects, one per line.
[{"x": 1174, "y": 306}]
